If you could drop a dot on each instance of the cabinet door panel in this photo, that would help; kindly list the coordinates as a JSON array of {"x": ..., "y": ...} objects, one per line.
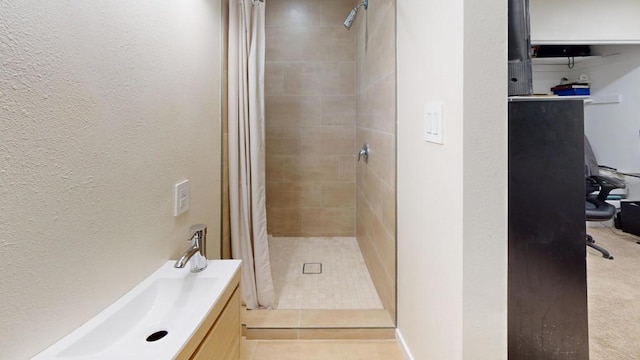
[
  {"x": 584, "y": 21},
  {"x": 547, "y": 283},
  {"x": 223, "y": 341}
]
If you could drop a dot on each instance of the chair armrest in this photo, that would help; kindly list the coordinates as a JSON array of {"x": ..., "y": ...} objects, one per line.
[{"x": 607, "y": 184}]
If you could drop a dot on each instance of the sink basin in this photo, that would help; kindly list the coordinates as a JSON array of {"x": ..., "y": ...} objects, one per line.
[{"x": 152, "y": 321}]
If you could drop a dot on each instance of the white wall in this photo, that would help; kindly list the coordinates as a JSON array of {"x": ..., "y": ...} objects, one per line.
[
  {"x": 485, "y": 181},
  {"x": 430, "y": 179},
  {"x": 103, "y": 107},
  {"x": 547, "y": 76},
  {"x": 452, "y": 198},
  {"x": 614, "y": 129}
]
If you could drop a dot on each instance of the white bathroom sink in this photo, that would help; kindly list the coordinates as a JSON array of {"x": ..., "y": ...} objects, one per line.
[{"x": 167, "y": 307}]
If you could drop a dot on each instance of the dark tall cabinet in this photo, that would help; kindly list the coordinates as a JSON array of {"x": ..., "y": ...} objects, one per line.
[{"x": 547, "y": 285}]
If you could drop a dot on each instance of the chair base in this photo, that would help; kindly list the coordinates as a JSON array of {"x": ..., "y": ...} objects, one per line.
[{"x": 592, "y": 244}]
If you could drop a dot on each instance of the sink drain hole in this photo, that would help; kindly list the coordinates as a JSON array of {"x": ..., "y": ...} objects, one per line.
[{"x": 157, "y": 336}]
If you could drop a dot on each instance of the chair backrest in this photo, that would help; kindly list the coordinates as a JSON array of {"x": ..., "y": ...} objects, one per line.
[
  {"x": 590, "y": 161},
  {"x": 606, "y": 183}
]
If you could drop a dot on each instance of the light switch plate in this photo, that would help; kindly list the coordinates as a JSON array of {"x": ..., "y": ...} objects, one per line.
[
  {"x": 180, "y": 197},
  {"x": 433, "y": 123}
]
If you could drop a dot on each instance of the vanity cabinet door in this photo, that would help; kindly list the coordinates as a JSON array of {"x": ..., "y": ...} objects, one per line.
[
  {"x": 223, "y": 341},
  {"x": 586, "y": 22}
]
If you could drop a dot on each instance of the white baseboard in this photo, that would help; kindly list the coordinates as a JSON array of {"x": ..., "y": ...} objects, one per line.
[{"x": 403, "y": 346}]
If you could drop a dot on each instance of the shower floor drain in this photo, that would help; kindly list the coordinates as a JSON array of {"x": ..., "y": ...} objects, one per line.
[{"x": 312, "y": 268}]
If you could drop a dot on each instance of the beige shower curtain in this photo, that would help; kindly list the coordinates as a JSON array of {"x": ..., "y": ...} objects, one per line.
[{"x": 247, "y": 150}]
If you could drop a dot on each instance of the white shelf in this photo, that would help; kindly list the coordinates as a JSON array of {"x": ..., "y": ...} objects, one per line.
[
  {"x": 586, "y": 42},
  {"x": 562, "y": 60},
  {"x": 588, "y": 100},
  {"x": 605, "y": 99},
  {"x": 546, "y": 98}
]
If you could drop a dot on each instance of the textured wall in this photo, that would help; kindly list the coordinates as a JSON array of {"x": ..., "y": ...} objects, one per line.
[
  {"x": 103, "y": 107},
  {"x": 376, "y": 125},
  {"x": 484, "y": 279},
  {"x": 452, "y": 229},
  {"x": 310, "y": 118}
]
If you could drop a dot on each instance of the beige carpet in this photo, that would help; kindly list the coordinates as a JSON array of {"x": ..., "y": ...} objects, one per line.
[{"x": 614, "y": 296}]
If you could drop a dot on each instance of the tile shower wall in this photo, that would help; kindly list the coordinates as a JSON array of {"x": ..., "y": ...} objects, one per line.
[
  {"x": 376, "y": 124},
  {"x": 310, "y": 103}
]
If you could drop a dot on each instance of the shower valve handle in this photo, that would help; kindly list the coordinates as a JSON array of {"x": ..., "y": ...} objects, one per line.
[{"x": 364, "y": 152}]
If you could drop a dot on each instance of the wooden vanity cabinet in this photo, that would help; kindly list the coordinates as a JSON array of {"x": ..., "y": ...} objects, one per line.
[{"x": 218, "y": 338}]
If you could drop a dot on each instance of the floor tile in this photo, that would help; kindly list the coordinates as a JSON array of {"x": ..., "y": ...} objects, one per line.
[
  {"x": 344, "y": 283},
  {"x": 344, "y": 334},
  {"x": 315, "y": 350},
  {"x": 247, "y": 348},
  {"x": 389, "y": 350},
  {"x": 345, "y": 318}
]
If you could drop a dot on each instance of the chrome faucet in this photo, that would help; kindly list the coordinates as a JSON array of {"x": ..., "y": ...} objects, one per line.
[{"x": 195, "y": 252}]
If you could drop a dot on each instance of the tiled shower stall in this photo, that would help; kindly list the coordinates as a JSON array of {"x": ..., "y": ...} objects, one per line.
[{"x": 327, "y": 91}]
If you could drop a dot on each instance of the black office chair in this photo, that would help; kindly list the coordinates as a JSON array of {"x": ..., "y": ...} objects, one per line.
[{"x": 597, "y": 209}]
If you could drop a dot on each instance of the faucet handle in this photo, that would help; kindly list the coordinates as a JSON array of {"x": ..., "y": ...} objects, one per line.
[
  {"x": 198, "y": 236},
  {"x": 199, "y": 229}
]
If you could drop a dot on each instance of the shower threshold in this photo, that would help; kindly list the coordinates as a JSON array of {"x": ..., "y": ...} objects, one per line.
[{"x": 317, "y": 324}]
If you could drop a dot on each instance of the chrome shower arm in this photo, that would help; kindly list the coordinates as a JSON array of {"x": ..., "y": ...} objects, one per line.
[{"x": 364, "y": 3}]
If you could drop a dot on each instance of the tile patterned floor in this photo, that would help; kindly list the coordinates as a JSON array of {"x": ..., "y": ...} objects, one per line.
[
  {"x": 344, "y": 283},
  {"x": 320, "y": 350}
]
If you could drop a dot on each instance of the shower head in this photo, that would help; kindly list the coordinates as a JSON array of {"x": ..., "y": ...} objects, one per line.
[
  {"x": 350, "y": 18},
  {"x": 352, "y": 15}
]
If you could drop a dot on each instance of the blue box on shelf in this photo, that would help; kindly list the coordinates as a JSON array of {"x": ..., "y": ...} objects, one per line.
[{"x": 572, "y": 92}]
